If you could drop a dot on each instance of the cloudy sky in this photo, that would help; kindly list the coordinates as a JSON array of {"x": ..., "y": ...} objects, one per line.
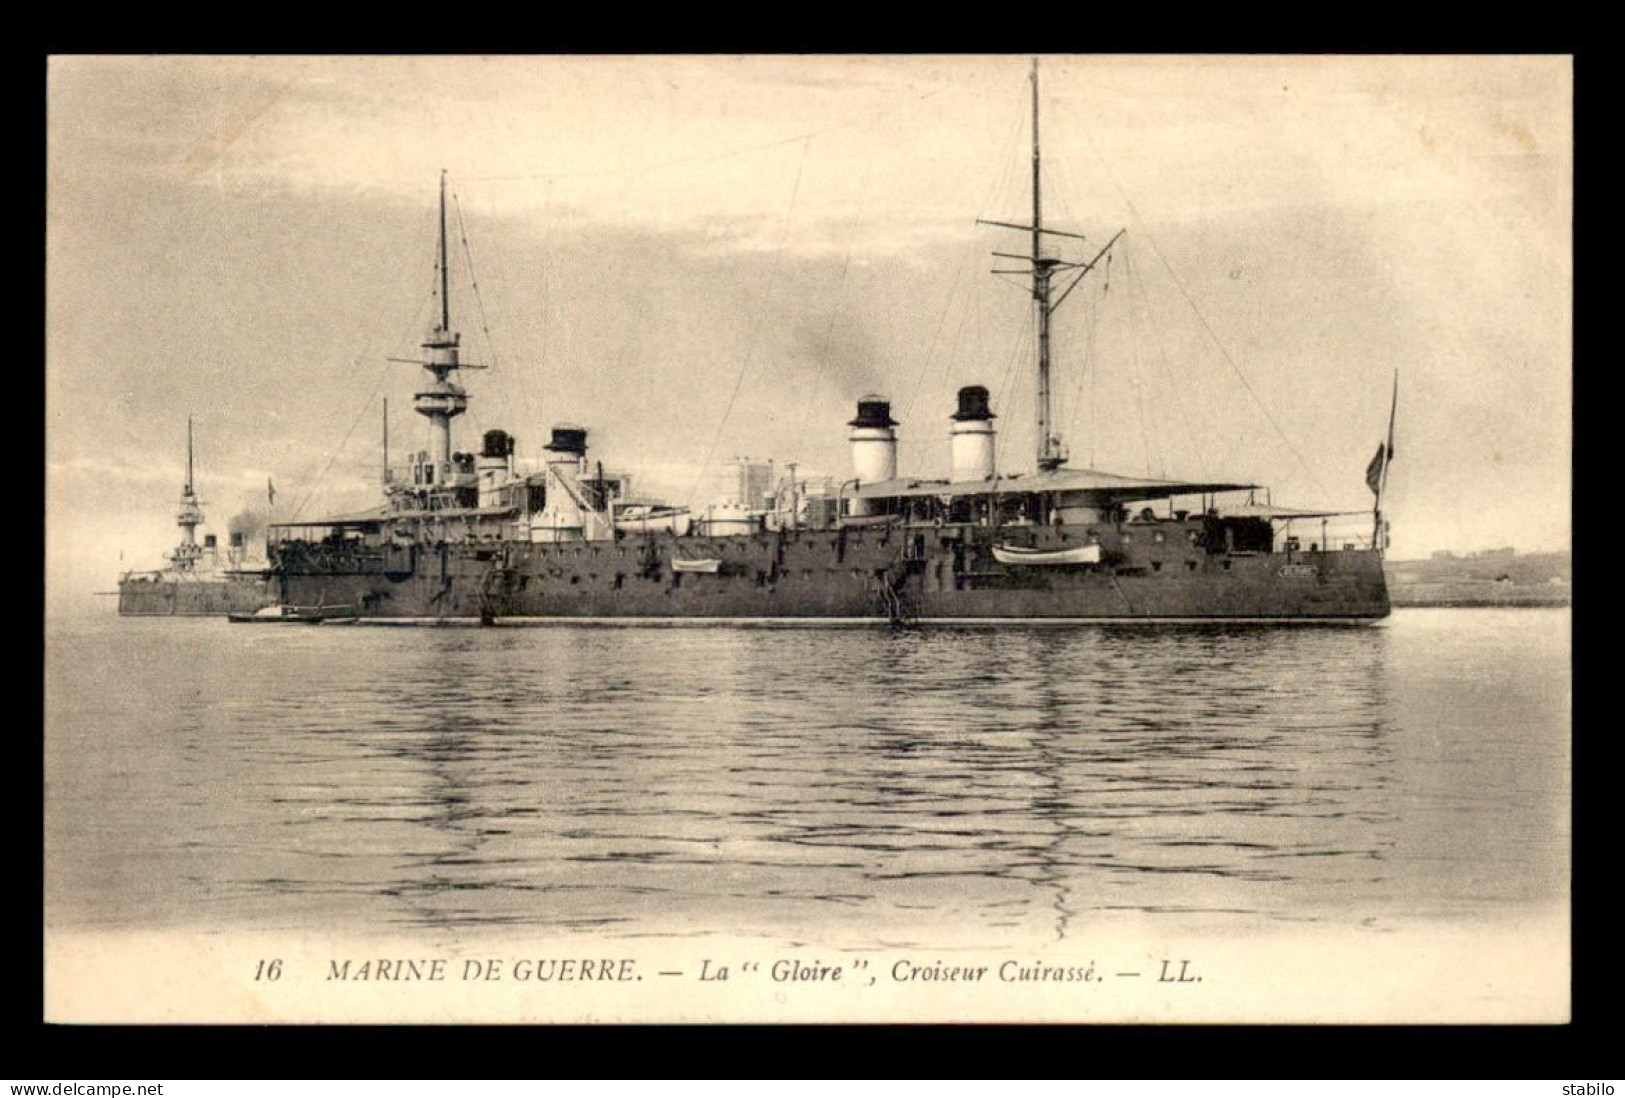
[{"x": 699, "y": 258}]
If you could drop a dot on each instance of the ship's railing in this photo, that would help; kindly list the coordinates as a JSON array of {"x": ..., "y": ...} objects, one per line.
[
  {"x": 327, "y": 556},
  {"x": 1332, "y": 534}
]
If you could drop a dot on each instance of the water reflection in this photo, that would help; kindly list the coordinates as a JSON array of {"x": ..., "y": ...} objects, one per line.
[
  {"x": 999, "y": 779},
  {"x": 1012, "y": 785}
]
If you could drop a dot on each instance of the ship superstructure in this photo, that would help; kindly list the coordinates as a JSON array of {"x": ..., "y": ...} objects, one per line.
[{"x": 471, "y": 536}]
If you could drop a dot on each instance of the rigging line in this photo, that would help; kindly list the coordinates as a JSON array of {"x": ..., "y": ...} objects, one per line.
[
  {"x": 479, "y": 301},
  {"x": 1173, "y": 381},
  {"x": 345, "y": 441},
  {"x": 980, "y": 329},
  {"x": 710, "y": 158},
  {"x": 1191, "y": 301},
  {"x": 1091, "y": 375},
  {"x": 750, "y": 346},
  {"x": 998, "y": 188},
  {"x": 1134, "y": 345},
  {"x": 1067, "y": 404},
  {"x": 925, "y": 354},
  {"x": 546, "y": 265},
  {"x": 1006, "y": 388},
  {"x": 423, "y": 302},
  {"x": 997, "y": 195},
  {"x": 924, "y": 440},
  {"x": 1061, "y": 163},
  {"x": 505, "y": 293},
  {"x": 1087, "y": 368},
  {"x": 402, "y": 347},
  {"x": 1000, "y": 451},
  {"x": 473, "y": 279}
]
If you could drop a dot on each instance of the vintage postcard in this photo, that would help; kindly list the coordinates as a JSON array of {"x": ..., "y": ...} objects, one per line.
[{"x": 796, "y": 538}]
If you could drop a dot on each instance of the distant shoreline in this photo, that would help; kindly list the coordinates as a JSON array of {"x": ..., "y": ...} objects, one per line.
[
  {"x": 1452, "y": 595},
  {"x": 1495, "y": 578}
]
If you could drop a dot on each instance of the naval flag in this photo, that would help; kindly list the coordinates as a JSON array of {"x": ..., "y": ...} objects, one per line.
[
  {"x": 1373, "y": 472},
  {"x": 270, "y": 492},
  {"x": 1385, "y": 450}
]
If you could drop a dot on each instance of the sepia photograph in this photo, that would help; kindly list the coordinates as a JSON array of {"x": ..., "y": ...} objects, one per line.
[{"x": 793, "y": 538}]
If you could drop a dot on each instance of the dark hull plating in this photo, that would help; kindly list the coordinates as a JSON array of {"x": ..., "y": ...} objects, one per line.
[
  {"x": 905, "y": 573},
  {"x": 165, "y": 596}
]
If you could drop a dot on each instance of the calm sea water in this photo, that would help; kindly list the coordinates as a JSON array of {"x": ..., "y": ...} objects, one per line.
[{"x": 856, "y": 785}]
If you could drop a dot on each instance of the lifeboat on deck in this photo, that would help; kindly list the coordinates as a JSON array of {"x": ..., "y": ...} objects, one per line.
[{"x": 1016, "y": 554}]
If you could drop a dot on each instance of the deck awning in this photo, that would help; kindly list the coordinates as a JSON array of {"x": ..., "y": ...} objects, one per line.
[
  {"x": 378, "y": 515},
  {"x": 360, "y": 518},
  {"x": 1282, "y": 514},
  {"x": 1100, "y": 488}
]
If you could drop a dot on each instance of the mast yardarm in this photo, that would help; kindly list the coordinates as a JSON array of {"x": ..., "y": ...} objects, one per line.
[
  {"x": 1051, "y": 451},
  {"x": 440, "y": 399}
]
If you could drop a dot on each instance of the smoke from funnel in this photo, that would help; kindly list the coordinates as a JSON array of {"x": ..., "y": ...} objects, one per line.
[
  {"x": 842, "y": 352},
  {"x": 248, "y": 523}
]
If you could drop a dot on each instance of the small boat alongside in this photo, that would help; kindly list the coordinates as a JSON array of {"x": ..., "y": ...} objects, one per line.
[
  {"x": 708, "y": 564},
  {"x": 1023, "y": 555},
  {"x": 298, "y": 615}
]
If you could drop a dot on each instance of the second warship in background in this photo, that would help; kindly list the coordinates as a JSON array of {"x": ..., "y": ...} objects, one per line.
[
  {"x": 470, "y": 536},
  {"x": 197, "y": 580}
]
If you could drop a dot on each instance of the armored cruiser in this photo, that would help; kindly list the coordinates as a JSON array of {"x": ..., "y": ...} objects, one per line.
[
  {"x": 469, "y": 536},
  {"x": 197, "y": 580}
]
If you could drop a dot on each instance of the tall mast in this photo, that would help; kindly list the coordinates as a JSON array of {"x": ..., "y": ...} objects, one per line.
[
  {"x": 445, "y": 282},
  {"x": 440, "y": 399},
  {"x": 1051, "y": 454},
  {"x": 190, "y": 515},
  {"x": 1047, "y": 457}
]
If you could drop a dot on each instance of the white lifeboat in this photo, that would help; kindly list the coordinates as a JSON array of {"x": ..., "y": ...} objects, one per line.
[
  {"x": 707, "y": 564},
  {"x": 1017, "y": 554}
]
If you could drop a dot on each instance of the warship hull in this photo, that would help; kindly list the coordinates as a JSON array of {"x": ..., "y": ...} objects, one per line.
[
  {"x": 904, "y": 574},
  {"x": 465, "y": 536},
  {"x": 164, "y": 595}
]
